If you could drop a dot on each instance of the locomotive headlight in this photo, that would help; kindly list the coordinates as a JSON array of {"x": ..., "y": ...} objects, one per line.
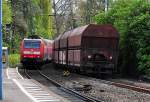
[
  {"x": 26, "y": 52},
  {"x": 36, "y": 53},
  {"x": 89, "y": 56},
  {"x": 110, "y": 57}
]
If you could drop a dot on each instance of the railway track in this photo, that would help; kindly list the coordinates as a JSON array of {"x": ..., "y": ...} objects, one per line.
[
  {"x": 59, "y": 89},
  {"x": 99, "y": 89},
  {"x": 123, "y": 85},
  {"x": 129, "y": 86}
]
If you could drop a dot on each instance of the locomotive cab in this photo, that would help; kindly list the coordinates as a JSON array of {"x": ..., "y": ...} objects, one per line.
[
  {"x": 31, "y": 51},
  {"x": 35, "y": 51}
]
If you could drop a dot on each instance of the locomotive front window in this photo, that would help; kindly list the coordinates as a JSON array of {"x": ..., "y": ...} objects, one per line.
[{"x": 32, "y": 44}]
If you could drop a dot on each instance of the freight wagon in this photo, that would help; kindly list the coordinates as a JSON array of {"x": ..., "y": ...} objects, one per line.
[{"x": 89, "y": 49}]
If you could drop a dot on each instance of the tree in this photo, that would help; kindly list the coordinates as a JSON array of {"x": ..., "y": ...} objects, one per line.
[
  {"x": 6, "y": 10},
  {"x": 88, "y": 9},
  {"x": 28, "y": 17},
  {"x": 7, "y": 19},
  {"x": 132, "y": 21},
  {"x": 70, "y": 14},
  {"x": 32, "y": 17}
]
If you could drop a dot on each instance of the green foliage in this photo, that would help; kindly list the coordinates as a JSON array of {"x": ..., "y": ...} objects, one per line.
[
  {"x": 6, "y": 18},
  {"x": 140, "y": 28},
  {"x": 6, "y": 11},
  {"x": 28, "y": 17},
  {"x": 133, "y": 23},
  {"x": 42, "y": 18},
  {"x": 41, "y": 21},
  {"x": 32, "y": 17},
  {"x": 13, "y": 59}
]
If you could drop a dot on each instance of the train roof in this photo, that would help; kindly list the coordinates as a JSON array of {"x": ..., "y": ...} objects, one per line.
[
  {"x": 106, "y": 30},
  {"x": 95, "y": 30},
  {"x": 47, "y": 40},
  {"x": 79, "y": 30},
  {"x": 66, "y": 34},
  {"x": 32, "y": 39},
  {"x": 91, "y": 30}
]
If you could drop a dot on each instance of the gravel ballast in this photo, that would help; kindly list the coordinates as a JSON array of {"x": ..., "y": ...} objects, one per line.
[{"x": 98, "y": 89}]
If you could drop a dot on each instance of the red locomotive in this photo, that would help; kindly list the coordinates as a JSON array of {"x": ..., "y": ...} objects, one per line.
[
  {"x": 89, "y": 49},
  {"x": 35, "y": 51}
]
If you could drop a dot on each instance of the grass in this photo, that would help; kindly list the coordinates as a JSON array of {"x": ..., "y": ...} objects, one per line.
[{"x": 13, "y": 60}]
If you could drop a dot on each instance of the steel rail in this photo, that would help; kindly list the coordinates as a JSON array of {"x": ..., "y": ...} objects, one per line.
[
  {"x": 117, "y": 84},
  {"x": 91, "y": 99},
  {"x": 128, "y": 86},
  {"x": 84, "y": 97},
  {"x": 26, "y": 73},
  {"x": 64, "y": 89},
  {"x": 132, "y": 87}
]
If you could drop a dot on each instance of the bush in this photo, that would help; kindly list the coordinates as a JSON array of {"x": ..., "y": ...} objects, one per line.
[
  {"x": 13, "y": 60},
  {"x": 132, "y": 19}
]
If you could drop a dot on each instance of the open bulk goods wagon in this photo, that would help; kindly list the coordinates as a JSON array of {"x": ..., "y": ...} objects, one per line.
[{"x": 91, "y": 49}]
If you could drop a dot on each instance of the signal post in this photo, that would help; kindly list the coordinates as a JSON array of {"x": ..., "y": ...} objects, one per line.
[{"x": 1, "y": 86}]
